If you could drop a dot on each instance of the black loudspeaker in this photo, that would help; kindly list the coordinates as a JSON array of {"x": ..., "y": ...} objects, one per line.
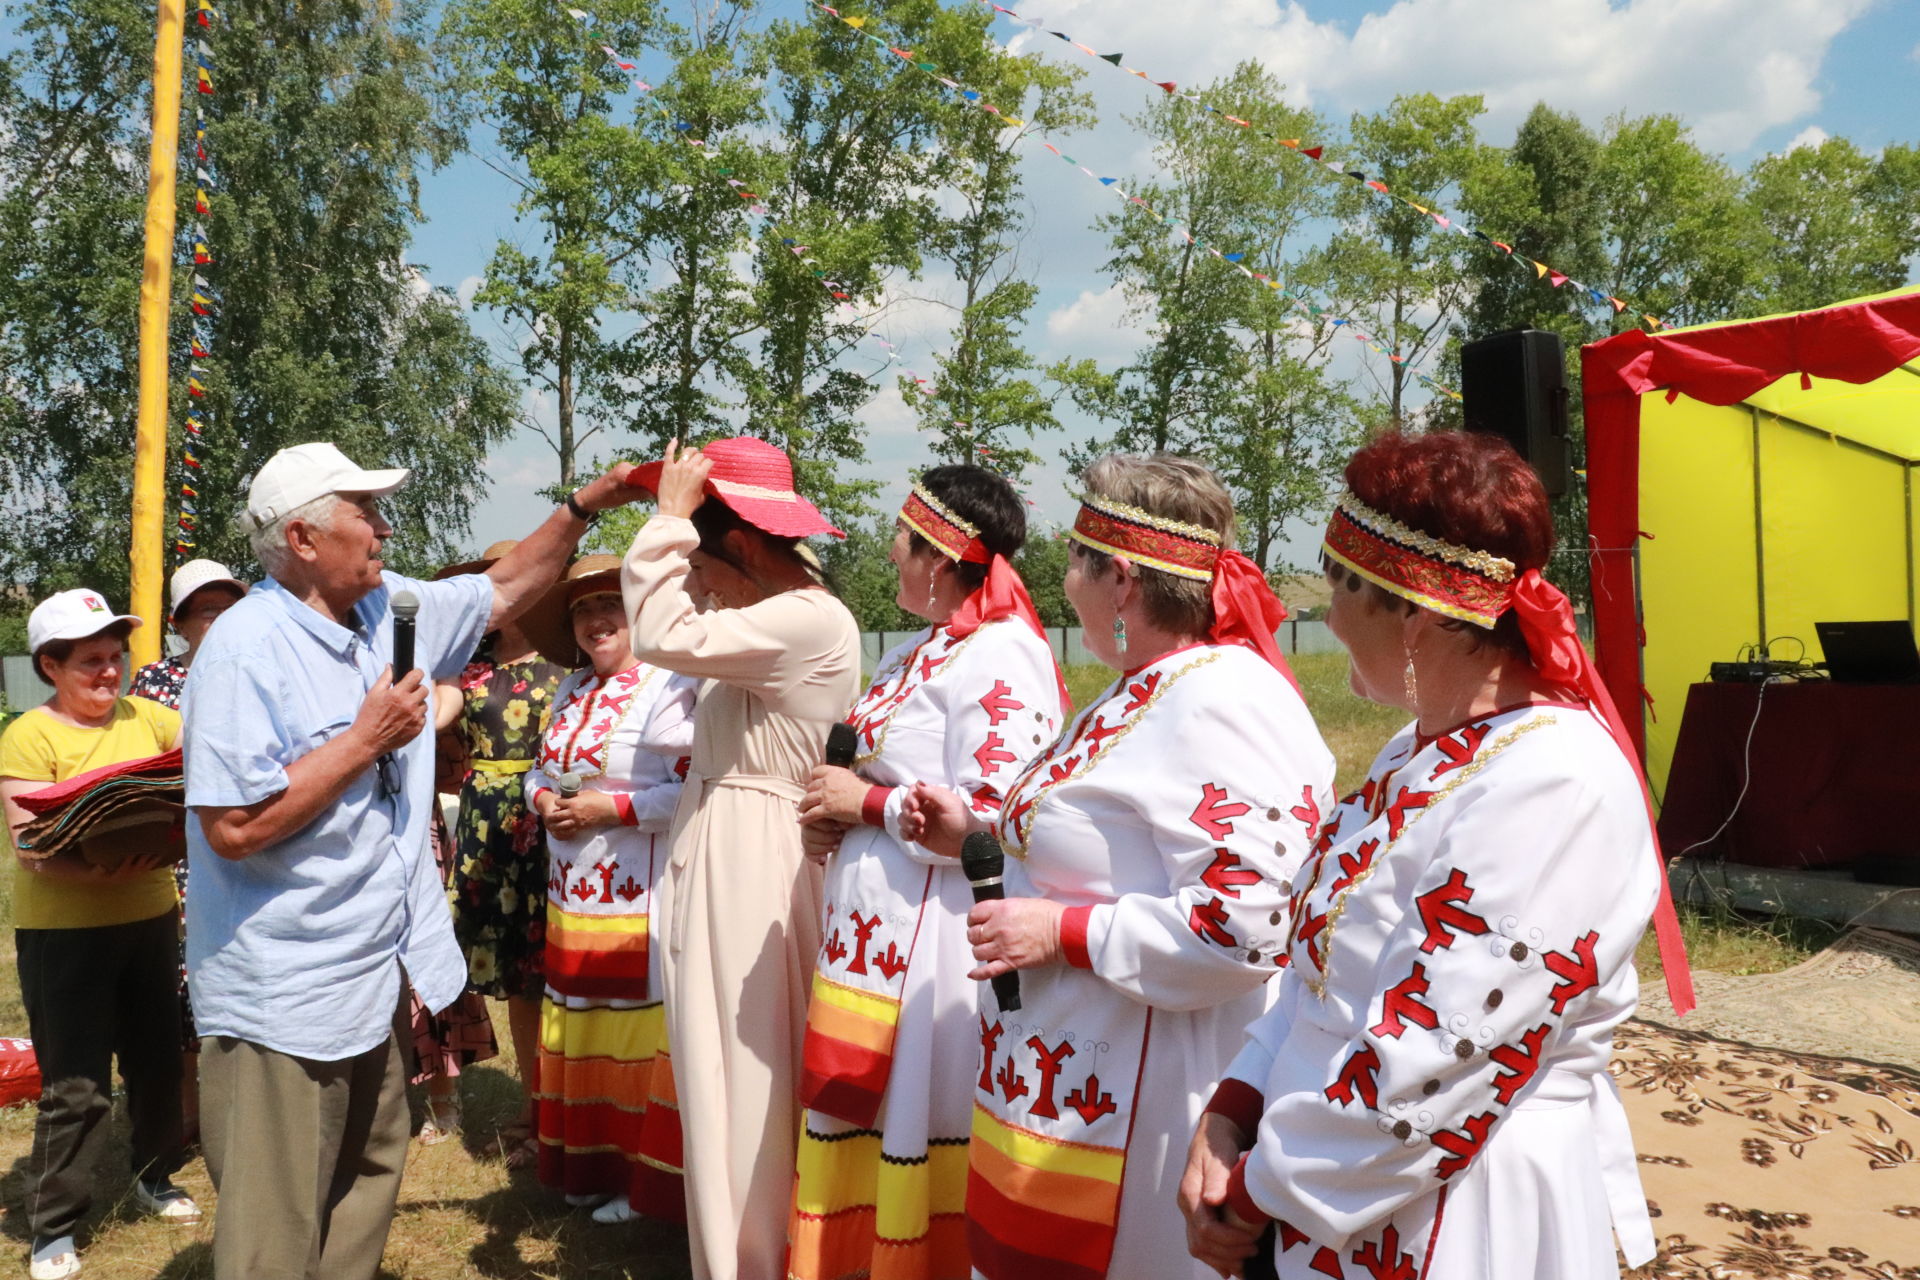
[{"x": 1514, "y": 385}]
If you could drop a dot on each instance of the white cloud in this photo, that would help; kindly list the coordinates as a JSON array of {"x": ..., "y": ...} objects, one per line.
[
  {"x": 1732, "y": 68},
  {"x": 465, "y": 290},
  {"x": 1811, "y": 136},
  {"x": 1095, "y": 324}
]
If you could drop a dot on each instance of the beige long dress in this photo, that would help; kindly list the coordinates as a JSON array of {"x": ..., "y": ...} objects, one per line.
[{"x": 740, "y": 905}]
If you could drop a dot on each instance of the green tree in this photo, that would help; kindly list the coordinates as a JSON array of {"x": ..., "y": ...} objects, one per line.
[
  {"x": 1680, "y": 241},
  {"x": 1232, "y": 372},
  {"x": 323, "y": 121},
  {"x": 1837, "y": 222},
  {"x": 541, "y": 82},
  {"x": 980, "y": 407},
  {"x": 1410, "y": 278}
]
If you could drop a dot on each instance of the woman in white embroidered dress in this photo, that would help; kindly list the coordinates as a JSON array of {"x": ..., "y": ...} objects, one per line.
[
  {"x": 1429, "y": 1096},
  {"x": 605, "y": 1114},
  {"x": 891, "y": 1029},
  {"x": 779, "y": 659},
  {"x": 1150, "y": 849}
]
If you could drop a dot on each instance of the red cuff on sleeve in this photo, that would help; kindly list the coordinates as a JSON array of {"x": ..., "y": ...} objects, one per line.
[
  {"x": 1073, "y": 936},
  {"x": 537, "y": 793},
  {"x": 1237, "y": 1198},
  {"x": 873, "y": 810},
  {"x": 623, "y": 805},
  {"x": 1239, "y": 1102}
]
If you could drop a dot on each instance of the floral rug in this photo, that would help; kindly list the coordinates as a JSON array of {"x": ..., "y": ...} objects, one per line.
[{"x": 1767, "y": 1164}]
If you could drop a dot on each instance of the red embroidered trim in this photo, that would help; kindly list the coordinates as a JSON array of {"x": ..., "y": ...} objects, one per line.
[
  {"x": 1445, "y": 588},
  {"x": 956, "y": 539},
  {"x": 1240, "y": 1103},
  {"x": 873, "y": 809},
  {"x": 1116, "y": 530},
  {"x": 1073, "y": 936}
]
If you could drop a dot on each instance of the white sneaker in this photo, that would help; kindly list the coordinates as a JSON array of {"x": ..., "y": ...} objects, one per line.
[
  {"x": 166, "y": 1202},
  {"x": 618, "y": 1209},
  {"x": 59, "y": 1265}
]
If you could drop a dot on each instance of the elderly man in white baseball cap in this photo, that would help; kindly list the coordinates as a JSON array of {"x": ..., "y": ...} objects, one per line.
[{"x": 315, "y": 897}]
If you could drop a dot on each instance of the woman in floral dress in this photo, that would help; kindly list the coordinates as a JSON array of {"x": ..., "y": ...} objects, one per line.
[{"x": 499, "y": 706}]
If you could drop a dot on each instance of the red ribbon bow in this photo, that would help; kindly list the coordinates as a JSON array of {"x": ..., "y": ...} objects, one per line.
[
  {"x": 1546, "y": 620},
  {"x": 1246, "y": 611}
]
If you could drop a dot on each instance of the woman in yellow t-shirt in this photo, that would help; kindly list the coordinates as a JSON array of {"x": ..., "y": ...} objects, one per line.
[{"x": 96, "y": 949}]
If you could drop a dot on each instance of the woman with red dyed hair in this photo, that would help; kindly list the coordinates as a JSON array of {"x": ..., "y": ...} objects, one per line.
[{"x": 1428, "y": 1095}]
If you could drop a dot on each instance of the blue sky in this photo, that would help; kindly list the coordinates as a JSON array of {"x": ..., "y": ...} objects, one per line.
[{"x": 1750, "y": 76}]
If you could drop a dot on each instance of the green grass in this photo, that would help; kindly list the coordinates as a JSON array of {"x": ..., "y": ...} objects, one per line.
[{"x": 462, "y": 1215}]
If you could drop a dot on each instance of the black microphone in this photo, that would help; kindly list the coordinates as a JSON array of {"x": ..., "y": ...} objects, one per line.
[
  {"x": 982, "y": 863},
  {"x": 405, "y": 606},
  {"x": 842, "y": 743}
]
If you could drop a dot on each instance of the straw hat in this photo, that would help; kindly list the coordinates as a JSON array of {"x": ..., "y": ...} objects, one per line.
[
  {"x": 548, "y": 621},
  {"x": 755, "y": 479},
  {"x": 487, "y": 557}
]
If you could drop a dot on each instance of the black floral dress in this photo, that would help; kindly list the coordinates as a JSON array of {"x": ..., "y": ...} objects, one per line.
[{"x": 500, "y": 879}]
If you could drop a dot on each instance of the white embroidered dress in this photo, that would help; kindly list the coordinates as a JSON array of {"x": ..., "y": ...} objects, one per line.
[
  {"x": 891, "y": 1029},
  {"x": 625, "y": 735},
  {"x": 1168, "y": 819},
  {"x": 1432, "y": 1083}
]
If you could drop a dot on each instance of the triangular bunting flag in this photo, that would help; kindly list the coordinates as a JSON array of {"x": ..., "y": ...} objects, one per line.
[{"x": 1114, "y": 58}]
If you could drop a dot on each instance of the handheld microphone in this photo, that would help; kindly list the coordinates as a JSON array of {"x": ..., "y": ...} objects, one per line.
[
  {"x": 406, "y": 607},
  {"x": 568, "y": 785},
  {"x": 842, "y": 744},
  {"x": 982, "y": 862}
]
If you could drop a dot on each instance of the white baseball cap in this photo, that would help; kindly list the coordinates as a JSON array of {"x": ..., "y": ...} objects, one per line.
[
  {"x": 195, "y": 574},
  {"x": 296, "y": 476},
  {"x": 71, "y": 615}
]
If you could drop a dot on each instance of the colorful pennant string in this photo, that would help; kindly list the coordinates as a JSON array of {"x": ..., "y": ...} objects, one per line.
[
  {"x": 204, "y": 301},
  {"x": 756, "y": 205},
  {"x": 1305, "y": 306},
  {"x": 1317, "y": 153}
]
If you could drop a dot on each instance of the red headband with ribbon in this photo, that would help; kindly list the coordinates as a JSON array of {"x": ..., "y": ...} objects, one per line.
[
  {"x": 1478, "y": 587},
  {"x": 1002, "y": 595},
  {"x": 1245, "y": 609}
]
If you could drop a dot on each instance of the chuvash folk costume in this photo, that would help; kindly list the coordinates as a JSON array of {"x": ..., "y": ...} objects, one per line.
[
  {"x": 1169, "y": 818},
  {"x": 889, "y": 1055},
  {"x": 606, "y": 1115},
  {"x": 1429, "y": 1095}
]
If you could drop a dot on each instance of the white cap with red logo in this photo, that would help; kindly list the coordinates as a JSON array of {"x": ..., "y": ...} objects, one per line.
[
  {"x": 71, "y": 615},
  {"x": 297, "y": 475}
]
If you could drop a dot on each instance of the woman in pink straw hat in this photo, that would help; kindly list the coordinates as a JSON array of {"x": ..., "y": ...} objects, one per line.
[{"x": 739, "y": 906}]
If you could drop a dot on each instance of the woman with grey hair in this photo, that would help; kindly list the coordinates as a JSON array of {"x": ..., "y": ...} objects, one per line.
[{"x": 1149, "y": 851}]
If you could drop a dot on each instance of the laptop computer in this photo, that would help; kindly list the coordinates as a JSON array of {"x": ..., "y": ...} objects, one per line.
[{"x": 1870, "y": 652}]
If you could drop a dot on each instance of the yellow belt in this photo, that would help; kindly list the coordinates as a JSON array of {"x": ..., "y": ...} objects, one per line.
[{"x": 501, "y": 766}]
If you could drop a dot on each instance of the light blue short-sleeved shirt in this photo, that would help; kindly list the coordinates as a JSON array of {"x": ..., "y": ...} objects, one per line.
[{"x": 300, "y": 947}]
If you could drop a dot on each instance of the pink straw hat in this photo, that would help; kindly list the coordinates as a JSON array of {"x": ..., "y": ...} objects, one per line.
[{"x": 755, "y": 479}]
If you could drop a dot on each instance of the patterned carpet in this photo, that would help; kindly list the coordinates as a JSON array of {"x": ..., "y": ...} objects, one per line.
[{"x": 1772, "y": 1164}]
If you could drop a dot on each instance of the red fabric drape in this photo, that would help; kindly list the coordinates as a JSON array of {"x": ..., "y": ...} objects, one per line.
[{"x": 1854, "y": 342}]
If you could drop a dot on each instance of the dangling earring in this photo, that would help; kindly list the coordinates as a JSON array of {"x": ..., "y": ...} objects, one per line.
[
  {"x": 1412, "y": 682},
  {"x": 1120, "y": 635},
  {"x": 931, "y": 606}
]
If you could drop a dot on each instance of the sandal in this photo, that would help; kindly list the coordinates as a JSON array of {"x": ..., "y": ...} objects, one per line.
[
  {"x": 516, "y": 1144},
  {"x": 442, "y": 1122}
]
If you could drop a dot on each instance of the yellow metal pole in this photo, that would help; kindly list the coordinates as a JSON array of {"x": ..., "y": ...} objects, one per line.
[{"x": 156, "y": 302}]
